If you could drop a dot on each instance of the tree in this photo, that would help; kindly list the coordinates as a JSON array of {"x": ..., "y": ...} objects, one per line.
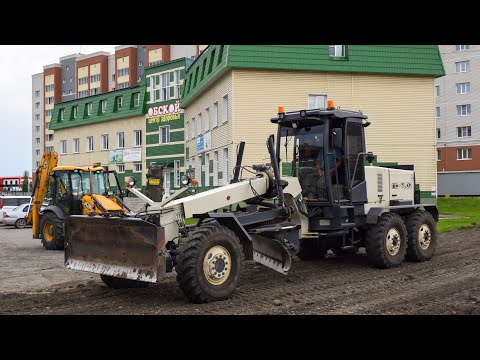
[{"x": 25, "y": 181}]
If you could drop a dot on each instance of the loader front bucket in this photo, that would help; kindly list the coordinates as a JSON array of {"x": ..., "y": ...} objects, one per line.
[{"x": 129, "y": 248}]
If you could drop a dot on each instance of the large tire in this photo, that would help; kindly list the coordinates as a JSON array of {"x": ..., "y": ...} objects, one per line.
[
  {"x": 209, "y": 264},
  {"x": 387, "y": 242},
  {"x": 311, "y": 249},
  {"x": 20, "y": 223},
  {"x": 51, "y": 232},
  {"x": 120, "y": 283},
  {"x": 422, "y": 236}
]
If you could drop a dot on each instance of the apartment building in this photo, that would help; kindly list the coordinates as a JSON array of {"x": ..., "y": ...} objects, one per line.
[
  {"x": 457, "y": 114},
  {"x": 38, "y": 126},
  {"x": 231, "y": 92}
]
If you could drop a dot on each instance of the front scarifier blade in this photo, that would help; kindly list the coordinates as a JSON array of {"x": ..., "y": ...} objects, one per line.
[
  {"x": 271, "y": 253},
  {"x": 128, "y": 248}
]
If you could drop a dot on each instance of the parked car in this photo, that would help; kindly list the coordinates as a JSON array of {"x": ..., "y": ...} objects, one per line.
[
  {"x": 16, "y": 216},
  {"x": 10, "y": 202}
]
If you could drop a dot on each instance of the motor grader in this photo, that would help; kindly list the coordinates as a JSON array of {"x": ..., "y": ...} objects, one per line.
[
  {"x": 332, "y": 199},
  {"x": 70, "y": 190}
]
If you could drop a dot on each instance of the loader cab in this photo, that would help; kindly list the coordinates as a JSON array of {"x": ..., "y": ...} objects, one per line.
[{"x": 325, "y": 149}]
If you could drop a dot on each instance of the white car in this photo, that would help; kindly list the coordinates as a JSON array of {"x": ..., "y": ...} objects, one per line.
[
  {"x": 16, "y": 216},
  {"x": 10, "y": 202}
]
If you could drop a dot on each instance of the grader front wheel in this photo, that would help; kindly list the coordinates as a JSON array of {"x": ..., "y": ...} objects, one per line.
[{"x": 208, "y": 266}]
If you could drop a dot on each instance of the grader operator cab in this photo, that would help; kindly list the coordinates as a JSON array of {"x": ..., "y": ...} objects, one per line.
[
  {"x": 330, "y": 200},
  {"x": 70, "y": 190}
]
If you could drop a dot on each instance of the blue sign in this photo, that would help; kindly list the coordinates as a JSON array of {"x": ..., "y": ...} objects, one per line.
[{"x": 199, "y": 147}]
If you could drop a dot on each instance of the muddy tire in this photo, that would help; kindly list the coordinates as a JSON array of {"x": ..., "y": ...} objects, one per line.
[
  {"x": 51, "y": 232},
  {"x": 387, "y": 242},
  {"x": 422, "y": 236},
  {"x": 20, "y": 223},
  {"x": 311, "y": 249},
  {"x": 209, "y": 264},
  {"x": 120, "y": 283}
]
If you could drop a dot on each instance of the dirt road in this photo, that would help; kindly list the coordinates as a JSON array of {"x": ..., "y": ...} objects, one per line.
[{"x": 33, "y": 281}]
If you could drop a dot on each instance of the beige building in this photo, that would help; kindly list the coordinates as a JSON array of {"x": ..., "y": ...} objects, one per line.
[{"x": 231, "y": 92}]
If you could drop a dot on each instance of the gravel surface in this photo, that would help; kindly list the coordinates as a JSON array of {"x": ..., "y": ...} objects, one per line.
[{"x": 34, "y": 281}]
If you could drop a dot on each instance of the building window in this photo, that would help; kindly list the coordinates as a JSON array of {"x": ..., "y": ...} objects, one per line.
[
  {"x": 176, "y": 173},
  {"x": 439, "y": 155},
  {"x": 49, "y": 88},
  {"x": 113, "y": 77},
  {"x": 122, "y": 72},
  {"x": 139, "y": 79},
  {"x": 64, "y": 93},
  {"x": 192, "y": 129},
  {"x": 437, "y": 90},
  {"x": 37, "y": 163},
  {"x": 63, "y": 147},
  {"x": 83, "y": 80},
  {"x": 37, "y": 128},
  {"x": 37, "y": 117},
  {"x": 37, "y": 152},
  {"x": 120, "y": 140},
  {"x": 62, "y": 114},
  {"x": 225, "y": 109},
  {"x": 119, "y": 102},
  {"x": 136, "y": 100},
  {"x": 166, "y": 182},
  {"x": 164, "y": 134},
  {"x": 199, "y": 124},
  {"x": 198, "y": 175},
  {"x": 104, "y": 142},
  {"x": 137, "y": 168},
  {"x": 82, "y": 94},
  {"x": 317, "y": 101},
  {"x": 37, "y": 105},
  {"x": 70, "y": 79},
  {"x": 464, "y": 131},
  {"x": 337, "y": 50},
  {"x": 123, "y": 85},
  {"x": 176, "y": 75},
  {"x": 49, "y": 149},
  {"x": 70, "y": 92},
  {"x": 120, "y": 168},
  {"x": 140, "y": 63},
  {"x": 462, "y": 66},
  {"x": 63, "y": 82},
  {"x": 207, "y": 170},
  {"x": 461, "y": 47},
  {"x": 463, "y": 88},
  {"x": 207, "y": 119},
  {"x": 215, "y": 115},
  {"x": 464, "y": 110},
  {"x": 438, "y": 133},
  {"x": 49, "y": 100},
  {"x": 68, "y": 67},
  {"x": 164, "y": 86},
  {"x": 37, "y": 93},
  {"x": 49, "y": 137},
  {"x": 48, "y": 112},
  {"x": 94, "y": 91},
  {"x": 437, "y": 112},
  {"x": 89, "y": 109},
  {"x": 95, "y": 78},
  {"x": 137, "y": 137},
  {"x": 104, "y": 106},
  {"x": 89, "y": 144},
  {"x": 187, "y": 130},
  {"x": 76, "y": 145},
  {"x": 225, "y": 166},
  {"x": 75, "y": 111},
  {"x": 464, "y": 154}
]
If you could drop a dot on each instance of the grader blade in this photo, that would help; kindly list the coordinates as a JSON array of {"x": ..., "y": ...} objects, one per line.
[
  {"x": 271, "y": 253},
  {"x": 127, "y": 248}
]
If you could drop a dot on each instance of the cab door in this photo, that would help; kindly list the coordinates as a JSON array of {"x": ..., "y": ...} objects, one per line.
[{"x": 355, "y": 146}]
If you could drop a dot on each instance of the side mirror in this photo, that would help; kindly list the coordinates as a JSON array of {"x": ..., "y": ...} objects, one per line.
[{"x": 370, "y": 157}]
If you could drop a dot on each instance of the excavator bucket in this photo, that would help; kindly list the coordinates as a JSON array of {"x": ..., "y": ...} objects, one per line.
[{"x": 127, "y": 248}]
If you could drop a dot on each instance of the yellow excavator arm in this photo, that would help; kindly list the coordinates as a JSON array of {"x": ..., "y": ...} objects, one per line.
[{"x": 40, "y": 189}]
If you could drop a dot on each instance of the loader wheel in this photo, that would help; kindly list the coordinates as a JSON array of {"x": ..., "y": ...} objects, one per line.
[
  {"x": 422, "y": 236},
  {"x": 51, "y": 232},
  {"x": 209, "y": 264},
  {"x": 20, "y": 223},
  {"x": 387, "y": 241},
  {"x": 311, "y": 249},
  {"x": 120, "y": 283}
]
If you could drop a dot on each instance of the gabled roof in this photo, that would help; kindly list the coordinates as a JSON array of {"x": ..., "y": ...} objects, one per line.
[{"x": 421, "y": 60}]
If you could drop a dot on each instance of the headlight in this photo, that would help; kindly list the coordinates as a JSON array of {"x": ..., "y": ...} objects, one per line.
[
  {"x": 185, "y": 180},
  {"x": 130, "y": 182}
]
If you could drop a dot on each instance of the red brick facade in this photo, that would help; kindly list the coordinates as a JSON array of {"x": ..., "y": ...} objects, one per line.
[
  {"x": 449, "y": 162},
  {"x": 103, "y": 60},
  {"x": 131, "y": 52},
  {"x": 165, "y": 52}
]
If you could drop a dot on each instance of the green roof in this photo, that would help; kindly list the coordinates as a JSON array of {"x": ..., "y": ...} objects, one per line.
[{"x": 422, "y": 60}]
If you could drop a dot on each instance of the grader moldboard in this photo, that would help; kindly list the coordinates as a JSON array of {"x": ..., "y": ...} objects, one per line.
[{"x": 332, "y": 200}]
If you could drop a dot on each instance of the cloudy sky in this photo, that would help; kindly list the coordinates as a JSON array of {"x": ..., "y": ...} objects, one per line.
[{"x": 17, "y": 65}]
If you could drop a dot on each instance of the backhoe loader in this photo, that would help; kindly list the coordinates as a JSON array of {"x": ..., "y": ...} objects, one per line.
[
  {"x": 332, "y": 199},
  {"x": 70, "y": 190}
]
